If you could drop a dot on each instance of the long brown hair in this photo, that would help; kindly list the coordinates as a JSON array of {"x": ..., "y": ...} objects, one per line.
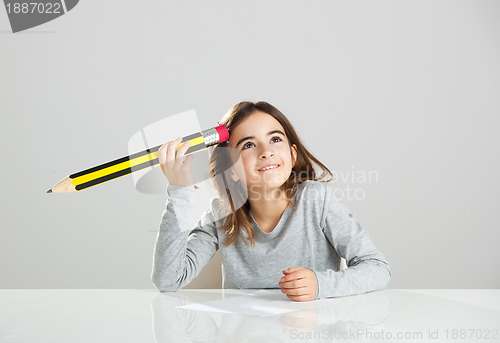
[{"x": 302, "y": 170}]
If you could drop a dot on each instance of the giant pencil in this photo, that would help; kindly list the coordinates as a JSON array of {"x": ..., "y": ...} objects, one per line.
[{"x": 129, "y": 164}]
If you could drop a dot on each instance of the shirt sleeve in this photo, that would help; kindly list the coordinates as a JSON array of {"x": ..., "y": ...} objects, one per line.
[
  {"x": 367, "y": 269},
  {"x": 183, "y": 246}
]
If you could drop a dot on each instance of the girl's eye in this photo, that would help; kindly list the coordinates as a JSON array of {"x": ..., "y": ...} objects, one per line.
[{"x": 245, "y": 145}]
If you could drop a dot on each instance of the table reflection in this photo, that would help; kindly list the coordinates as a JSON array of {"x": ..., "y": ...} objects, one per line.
[
  {"x": 380, "y": 316},
  {"x": 172, "y": 324}
]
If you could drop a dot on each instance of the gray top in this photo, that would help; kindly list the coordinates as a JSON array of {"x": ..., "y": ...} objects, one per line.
[{"x": 315, "y": 236}]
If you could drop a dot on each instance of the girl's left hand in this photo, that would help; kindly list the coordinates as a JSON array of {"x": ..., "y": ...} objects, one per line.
[{"x": 299, "y": 284}]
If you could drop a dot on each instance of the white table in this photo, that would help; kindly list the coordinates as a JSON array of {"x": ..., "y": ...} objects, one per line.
[{"x": 101, "y": 315}]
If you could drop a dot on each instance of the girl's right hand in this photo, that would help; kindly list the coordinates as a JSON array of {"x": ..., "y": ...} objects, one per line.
[{"x": 177, "y": 171}]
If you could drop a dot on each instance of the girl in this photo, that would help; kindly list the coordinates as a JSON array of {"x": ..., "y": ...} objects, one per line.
[{"x": 290, "y": 231}]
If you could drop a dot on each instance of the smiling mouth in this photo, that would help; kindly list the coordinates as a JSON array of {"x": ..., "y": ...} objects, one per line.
[{"x": 270, "y": 168}]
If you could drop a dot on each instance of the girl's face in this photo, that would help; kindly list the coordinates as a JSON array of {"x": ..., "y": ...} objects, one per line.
[{"x": 261, "y": 141}]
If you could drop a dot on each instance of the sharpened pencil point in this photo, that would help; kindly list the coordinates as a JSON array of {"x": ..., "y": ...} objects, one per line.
[{"x": 49, "y": 191}]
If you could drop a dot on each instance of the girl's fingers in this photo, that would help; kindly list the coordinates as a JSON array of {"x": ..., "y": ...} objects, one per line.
[
  {"x": 162, "y": 154},
  {"x": 305, "y": 297},
  {"x": 296, "y": 291},
  {"x": 187, "y": 162},
  {"x": 180, "y": 154},
  {"x": 291, "y": 270},
  {"x": 294, "y": 283},
  {"x": 171, "y": 149},
  {"x": 170, "y": 157}
]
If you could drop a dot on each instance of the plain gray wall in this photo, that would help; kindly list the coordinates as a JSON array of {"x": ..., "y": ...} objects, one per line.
[{"x": 408, "y": 89}]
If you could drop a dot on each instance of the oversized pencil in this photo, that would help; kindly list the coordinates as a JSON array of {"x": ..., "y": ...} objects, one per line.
[{"x": 129, "y": 164}]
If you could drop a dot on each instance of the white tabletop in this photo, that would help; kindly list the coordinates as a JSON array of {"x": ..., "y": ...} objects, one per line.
[{"x": 149, "y": 316}]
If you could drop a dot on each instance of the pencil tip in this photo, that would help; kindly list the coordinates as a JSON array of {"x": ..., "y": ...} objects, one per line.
[{"x": 49, "y": 191}]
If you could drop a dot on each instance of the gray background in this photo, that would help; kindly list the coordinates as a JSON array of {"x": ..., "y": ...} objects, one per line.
[{"x": 409, "y": 89}]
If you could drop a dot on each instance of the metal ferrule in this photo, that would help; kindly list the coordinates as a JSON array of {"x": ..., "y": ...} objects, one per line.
[{"x": 210, "y": 136}]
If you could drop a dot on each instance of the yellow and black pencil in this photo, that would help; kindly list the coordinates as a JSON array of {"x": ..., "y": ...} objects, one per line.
[{"x": 129, "y": 164}]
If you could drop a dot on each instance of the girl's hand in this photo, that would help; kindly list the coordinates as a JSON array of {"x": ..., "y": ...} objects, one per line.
[
  {"x": 176, "y": 171},
  {"x": 299, "y": 284}
]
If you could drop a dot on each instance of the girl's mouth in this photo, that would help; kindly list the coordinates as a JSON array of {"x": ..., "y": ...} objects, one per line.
[{"x": 269, "y": 167}]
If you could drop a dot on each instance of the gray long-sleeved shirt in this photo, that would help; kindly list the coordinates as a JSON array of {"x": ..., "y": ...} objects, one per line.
[{"x": 315, "y": 236}]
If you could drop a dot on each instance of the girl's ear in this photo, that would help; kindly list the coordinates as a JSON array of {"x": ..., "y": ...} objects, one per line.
[{"x": 294, "y": 154}]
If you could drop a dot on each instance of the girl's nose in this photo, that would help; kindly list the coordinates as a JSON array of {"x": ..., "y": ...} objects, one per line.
[{"x": 266, "y": 154}]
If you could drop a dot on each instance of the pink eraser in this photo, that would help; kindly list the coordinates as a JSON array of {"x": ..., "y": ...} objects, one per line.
[{"x": 223, "y": 133}]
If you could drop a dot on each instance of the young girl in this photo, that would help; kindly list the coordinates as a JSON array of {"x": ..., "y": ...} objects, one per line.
[{"x": 290, "y": 232}]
